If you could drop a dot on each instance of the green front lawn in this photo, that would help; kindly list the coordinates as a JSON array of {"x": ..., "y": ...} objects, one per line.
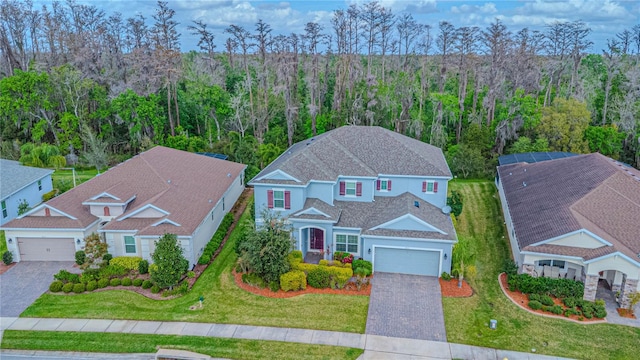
[
  {"x": 224, "y": 303},
  {"x": 142, "y": 343},
  {"x": 467, "y": 319},
  {"x": 3, "y": 243}
]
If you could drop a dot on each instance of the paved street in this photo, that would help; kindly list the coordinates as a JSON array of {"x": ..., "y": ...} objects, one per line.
[
  {"x": 25, "y": 282},
  {"x": 406, "y": 306}
]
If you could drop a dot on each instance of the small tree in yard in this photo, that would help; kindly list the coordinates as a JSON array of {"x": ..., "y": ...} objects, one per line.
[
  {"x": 455, "y": 202},
  {"x": 634, "y": 298},
  {"x": 95, "y": 249},
  {"x": 169, "y": 263},
  {"x": 23, "y": 207},
  {"x": 462, "y": 254},
  {"x": 267, "y": 247}
]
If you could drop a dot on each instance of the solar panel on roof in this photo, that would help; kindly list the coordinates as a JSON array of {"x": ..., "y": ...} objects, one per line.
[
  {"x": 533, "y": 157},
  {"x": 214, "y": 155}
]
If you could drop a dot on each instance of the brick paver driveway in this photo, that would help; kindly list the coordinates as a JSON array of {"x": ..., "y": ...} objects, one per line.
[
  {"x": 25, "y": 282},
  {"x": 406, "y": 306}
]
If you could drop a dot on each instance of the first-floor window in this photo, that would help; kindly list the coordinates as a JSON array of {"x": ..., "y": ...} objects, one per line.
[
  {"x": 129, "y": 245},
  {"x": 558, "y": 263},
  {"x": 39, "y": 185},
  {"x": 4, "y": 209},
  {"x": 347, "y": 243}
]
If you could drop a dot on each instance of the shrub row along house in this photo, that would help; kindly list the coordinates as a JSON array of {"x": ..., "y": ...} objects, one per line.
[
  {"x": 20, "y": 184},
  {"x": 367, "y": 191},
  {"x": 576, "y": 217},
  {"x": 131, "y": 205}
]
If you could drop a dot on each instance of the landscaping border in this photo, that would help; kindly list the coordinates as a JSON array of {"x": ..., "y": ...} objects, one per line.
[{"x": 523, "y": 307}]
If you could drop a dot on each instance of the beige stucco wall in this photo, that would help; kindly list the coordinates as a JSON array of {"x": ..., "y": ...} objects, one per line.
[
  {"x": 98, "y": 210},
  {"x": 580, "y": 239},
  {"x": 570, "y": 263},
  {"x": 149, "y": 213},
  {"x": 41, "y": 212},
  {"x": 614, "y": 263}
]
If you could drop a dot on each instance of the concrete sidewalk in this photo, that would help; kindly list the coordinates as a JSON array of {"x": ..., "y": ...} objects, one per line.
[{"x": 375, "y": 346}]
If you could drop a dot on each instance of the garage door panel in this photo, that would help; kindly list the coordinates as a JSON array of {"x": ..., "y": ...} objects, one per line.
[
  {"x": 46, "y": 249},
  {"x": 407, "y": 261}
]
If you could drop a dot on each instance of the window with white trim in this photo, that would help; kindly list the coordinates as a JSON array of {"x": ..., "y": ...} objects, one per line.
[
  {"x": 350, "y": 188},
  {"x": 278, "y": 199},
  {"x": 4, "y": 209},
  {"x": 558, "y": 263},
  {"x": 130, "y": 245},
  {"x": 347, "y": 243},
  {"x": 385, "y": 185},
  {"x": 429, "y": 186},
  {"x": 39, "y": 185}
]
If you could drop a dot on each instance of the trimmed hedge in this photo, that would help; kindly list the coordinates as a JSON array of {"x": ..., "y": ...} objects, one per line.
[
  {"x": 126, "y": 281},
  {"x": 127, "y": 262},
  {"x": 137, "y": 282},
  {"x": 115, "y": 282},
  {"x": 147, "y": 284},
  {"x": 560, "y": 288},
  {"x": 67, "y": 288},
  {"x": 80, "y": 257},
  {"x": 56, "y": 286},
  {"x": 103, "y": 283},
  {"x": 143, "y": 267},
  {"x": 535, "y": 304},
  {"x": 92, "y": 285},
  {"x": 78, "y": 288},
  {"x": 319, "y": 277},
  {"x": 367, "y": 265},
  {"x": 216, "y": 240},
  {"x": 293, "y": 280}
]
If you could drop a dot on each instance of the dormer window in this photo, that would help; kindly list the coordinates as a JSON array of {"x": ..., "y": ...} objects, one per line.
[
  {"x": 107, "y": 212},
  {"x": 350, "y": 188},
  {"x": 383, "y": 185}
]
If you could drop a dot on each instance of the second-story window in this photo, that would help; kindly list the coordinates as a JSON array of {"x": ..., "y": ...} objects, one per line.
[
  {"x": 350, "y": 188},
  {"x": 429, "y": 186},
  {"x": 383, "y": 185},
  {"x": 278, "y": 199}
]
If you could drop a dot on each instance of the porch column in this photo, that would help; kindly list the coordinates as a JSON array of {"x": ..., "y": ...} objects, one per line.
[
  {"x": 630, "y": 286},
  {"x": 590, "y": 287}
]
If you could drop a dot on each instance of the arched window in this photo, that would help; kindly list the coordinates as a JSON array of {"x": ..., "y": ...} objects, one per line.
[{"x": 106, "y": 211}]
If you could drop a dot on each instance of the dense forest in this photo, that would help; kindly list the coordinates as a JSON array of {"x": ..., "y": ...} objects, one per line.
[{"x": 80, "y": 84}]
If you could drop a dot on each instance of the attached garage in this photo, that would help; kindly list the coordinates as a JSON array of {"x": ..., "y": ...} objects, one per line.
[
  {"x": 46, "y": 249},
  {"x": 406, "y": 261}
]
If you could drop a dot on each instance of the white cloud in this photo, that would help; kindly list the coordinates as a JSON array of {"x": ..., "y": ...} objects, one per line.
[{"x": 487, "y": 8}]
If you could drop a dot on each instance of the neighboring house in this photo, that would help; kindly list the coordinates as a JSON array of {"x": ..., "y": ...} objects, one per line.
[
  {"x": 365, "y": 190},
  {"x": 21, "y": 183},
  {"x": 131, "y": 205},
  {"x": 579, "y": 216}
]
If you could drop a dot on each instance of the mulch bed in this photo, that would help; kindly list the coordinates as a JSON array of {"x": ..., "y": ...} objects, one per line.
[
  {"x": 4, "y": 268},
  {"x": 522, "y": 300},
  {"x": 626, "y": 313},
  {"x": 450, "y": 288},
  {"x": 349, "y": 289}
]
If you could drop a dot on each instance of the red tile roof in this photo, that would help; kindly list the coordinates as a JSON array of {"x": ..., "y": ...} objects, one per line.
[{"x": 184, "y": 184}]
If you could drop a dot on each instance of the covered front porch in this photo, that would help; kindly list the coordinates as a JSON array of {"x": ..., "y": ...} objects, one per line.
[
  {"x": 611, "y": 274},
  {"x": 314, "y": 242}
]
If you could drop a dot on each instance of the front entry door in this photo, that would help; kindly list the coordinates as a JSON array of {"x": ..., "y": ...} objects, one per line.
[{"x": 316, "y": 239}]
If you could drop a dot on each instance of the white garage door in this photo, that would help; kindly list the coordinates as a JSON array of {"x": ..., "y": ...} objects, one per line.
[
  {"x": 46, "y": 249},
  {"x": 407, "y": 261}
]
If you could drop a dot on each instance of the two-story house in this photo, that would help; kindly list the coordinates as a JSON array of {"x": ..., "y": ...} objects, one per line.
[
  {"x": 369, "y": 191},
  {"x": 21, "y": 184},
  {"x": 131, "y": 205}
]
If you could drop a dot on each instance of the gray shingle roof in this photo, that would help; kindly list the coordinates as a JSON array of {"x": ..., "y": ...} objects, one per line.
[
  {"x": 14, "y": 176},
  {"x": 368, "y": 215},
  {"x": 556, "y": 197},
  {"x": 358, "y": 151}
]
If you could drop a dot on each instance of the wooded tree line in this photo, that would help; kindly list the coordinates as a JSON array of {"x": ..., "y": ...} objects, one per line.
[{"x": 93, "y": 83}]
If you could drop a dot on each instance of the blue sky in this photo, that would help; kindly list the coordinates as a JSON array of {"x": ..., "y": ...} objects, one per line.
[{"x": 605, "y": 17}]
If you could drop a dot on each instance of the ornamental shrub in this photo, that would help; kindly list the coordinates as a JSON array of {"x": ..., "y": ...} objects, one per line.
[
  {"x": 319, "y": 277},
  {"x": 49, "y": 195},
  {"x": 110, "y": 271},
  {"x": 78, "y": 288},
  {"x": 191, "y": 274},
  {"x": 137, "y": 282},
  {"x": 103, "y": 283},
  {"x": 127, "y": 262},
  {"x": 555, "y": 309},
  {"x": 92, "y": 285},
  {"x": 601, "y": 312},
  {"x": 274, "y": 286},
  {"x": 155, "y": 289},
  {"x": 115, "y": 282},
  {"x": 367, "y": 265},
  {"x": 445, "y": 276},
  {"x": 80, "y": 257},
  {"x": 570, "y": 302},
  {"x": 535, "y": 305},
  {"x": 7, "y": 257},
  {"x": 126, "y": 281},
  {"x": 323, "y": 262},
  {"x": 169, "y": 262},
  {"x": 546, "y": 300},
  {"x": 67, "y": 288},
  {"x": 147, "y": 284},
  {"x": 293, "y": 280},
  {"x": 106, "y": 258},
  {"x": 67, "y": 277},
  {"x": 535, "y": 297},
  {"x": 204, "y": 259},
  {"x": 143, "y": 267},
  {"x": 560, "y": 288},
  {"x": 56, "y": 286},
  {"x": 253, "y": 279}
]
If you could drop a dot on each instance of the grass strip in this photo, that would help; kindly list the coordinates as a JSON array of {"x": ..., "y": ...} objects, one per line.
[{"x": 143, "y": 343}]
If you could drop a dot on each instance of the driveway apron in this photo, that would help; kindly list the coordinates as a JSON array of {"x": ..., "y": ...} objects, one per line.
[
  {"x": 406, "y": 306},
  {"x": 25, "y": 282}
]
